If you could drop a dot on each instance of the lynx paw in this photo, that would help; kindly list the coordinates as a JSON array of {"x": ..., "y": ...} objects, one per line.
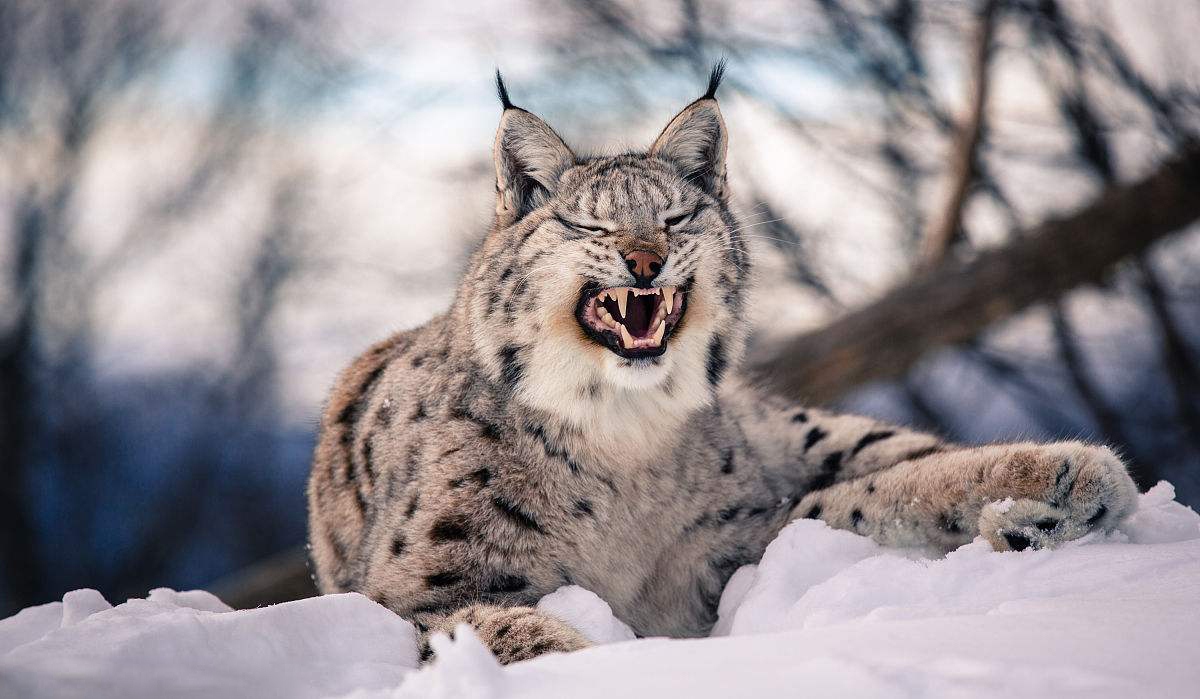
[
  {"x": 511, "y": 633},
  {"x": 1059, "y": 492}
]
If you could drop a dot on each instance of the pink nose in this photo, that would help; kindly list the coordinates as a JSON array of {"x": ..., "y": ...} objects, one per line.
[{"x": 644, "y": 265}]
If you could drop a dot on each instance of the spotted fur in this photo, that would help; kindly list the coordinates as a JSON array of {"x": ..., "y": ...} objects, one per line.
[{"x": 468, "y": 467}]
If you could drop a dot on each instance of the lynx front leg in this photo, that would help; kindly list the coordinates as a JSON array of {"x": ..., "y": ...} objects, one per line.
[
  {"x": 511, "y": 633},
  {"x": 1017, "y": 496}
]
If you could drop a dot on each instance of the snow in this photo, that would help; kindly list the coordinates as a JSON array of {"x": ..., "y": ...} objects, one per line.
[{"x": 824, "y": 612}]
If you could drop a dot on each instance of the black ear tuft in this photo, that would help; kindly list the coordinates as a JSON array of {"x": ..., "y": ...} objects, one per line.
[
  {"x": 502, "y": 92},
  {"x": 714, "y": 80}
]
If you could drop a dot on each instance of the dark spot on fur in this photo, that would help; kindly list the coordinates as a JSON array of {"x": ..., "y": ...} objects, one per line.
[
  {"x": 443, "y": 579},
  {"x": 449, "y": 529},
  {"x": 584, "y": 508},
  {"x": 948, "y": 522},
  {"x": 612, "y": 487},
  {"x": 511, "y": 369},
  {"x": 540, "y": 647},
  {"x": 814, "y": 512},
  {"x": 398, "y": 545},
  {"x": 420, "y": 413},
  {"x": 1017, "y": 542},
  {"x": 354, "y": 408},
  {"x": 552, "y": 450},
  {"x": 921, "y": 453},
  {"x": 564, "y": 574},
  {"x": 829, "y": 471},
  {"x": 1046, "y": 523},
  {"x": 418, "y": 360},
  {"x": 716, "y": 361},
  {"x": 383, "y": 416},
  {"x": 701, "y": 521},
  {"x": 502, "y": 631},
  {"x": 800, "y": 417},
  {"x": 1063, "y": 469},
  {"x": 870, "y": 487},
  {"x": 505, "y": 583},
  {"x": 412, "y": 506},
  {"x": 870, "y": 438},
  {"x": 410, "y": 458},
  {"x": 367, "y": 450},
  {"x": 728, "y": 513},
  {"x": 490, "y": 430},
  {"x": 814, "y": 435},
  {"x": 1098, "y": 516},
  {"x": 480, "y": 476},
  {"x": 426, "y": 652},
  {"x": 438, "y": 609},
  {"x": 451, "y": 450},
  {"x": 516, "y": 515},
  {"x": 727, "y": 462},
  {"x": 856, "y": 517}
]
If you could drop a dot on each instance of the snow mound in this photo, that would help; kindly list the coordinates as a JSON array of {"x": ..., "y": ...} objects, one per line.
[
  {"x": 824, "y": 610},
  {"x": 189, "y": 644},
  {"x": 585, "y": 611}
]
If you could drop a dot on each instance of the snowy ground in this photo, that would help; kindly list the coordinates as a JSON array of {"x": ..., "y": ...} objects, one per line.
[{"x": 826, "y": 613}]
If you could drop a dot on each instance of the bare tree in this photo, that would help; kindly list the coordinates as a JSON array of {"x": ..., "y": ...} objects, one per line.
[{"x": 68, "y": 71}]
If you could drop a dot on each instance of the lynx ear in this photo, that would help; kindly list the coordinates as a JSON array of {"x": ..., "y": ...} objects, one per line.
[
  {"x": 696, "y": 140},
  {"x": 530, "y": 158}
]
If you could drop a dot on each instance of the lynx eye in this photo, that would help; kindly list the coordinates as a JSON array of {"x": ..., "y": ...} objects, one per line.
[
  {"x": 680, "y": 219},
  {"x": 580, "y": 227}
]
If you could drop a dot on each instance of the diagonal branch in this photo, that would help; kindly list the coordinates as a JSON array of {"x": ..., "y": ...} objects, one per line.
[{"x": 957, "y": 301}]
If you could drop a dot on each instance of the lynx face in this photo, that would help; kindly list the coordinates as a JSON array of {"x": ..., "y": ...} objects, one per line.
[{"x": 620, "y": 279}]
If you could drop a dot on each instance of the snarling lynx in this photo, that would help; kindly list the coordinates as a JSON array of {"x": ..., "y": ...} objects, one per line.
[{"x": 575, "y": 417}]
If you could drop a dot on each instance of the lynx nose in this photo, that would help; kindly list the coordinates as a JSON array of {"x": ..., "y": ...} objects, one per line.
[{"x": 644, "y": 265}]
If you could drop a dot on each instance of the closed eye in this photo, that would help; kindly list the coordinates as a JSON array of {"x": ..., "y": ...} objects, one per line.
[
  {"x": 581, "y": 227},
  {"x": 681, "y": 218}
]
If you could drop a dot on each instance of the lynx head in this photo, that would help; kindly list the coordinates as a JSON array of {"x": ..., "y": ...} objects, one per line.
[{"x": 612, "y": 282}]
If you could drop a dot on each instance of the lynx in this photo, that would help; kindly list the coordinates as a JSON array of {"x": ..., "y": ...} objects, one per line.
[{"x": 576, "y": 417}]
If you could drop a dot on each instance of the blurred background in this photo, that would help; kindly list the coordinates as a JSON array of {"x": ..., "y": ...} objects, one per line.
[{"x": 207, "y": 208}]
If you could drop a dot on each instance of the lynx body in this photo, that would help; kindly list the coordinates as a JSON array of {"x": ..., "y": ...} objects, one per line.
[{"x": 576, "y": 417}]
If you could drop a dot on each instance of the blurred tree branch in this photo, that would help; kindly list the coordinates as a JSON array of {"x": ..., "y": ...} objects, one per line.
[
  {"x": 957, "y": 301},
  {"x": 947, "y": 226}
]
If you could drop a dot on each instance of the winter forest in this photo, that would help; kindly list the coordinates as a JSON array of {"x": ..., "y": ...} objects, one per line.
[{"x": 979, "y": 218}]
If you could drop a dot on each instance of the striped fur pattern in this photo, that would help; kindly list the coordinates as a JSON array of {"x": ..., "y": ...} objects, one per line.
[{"x": 468, "y": 467}]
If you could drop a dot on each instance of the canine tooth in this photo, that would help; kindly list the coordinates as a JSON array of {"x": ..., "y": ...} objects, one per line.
[
  {"x": 606, "y": 317},
  {"x": 658, "y": 334},
  {"x": 622, "y": 295},
  {"x": 626, "y": 338},
  {"x": 668, "y": 294}
]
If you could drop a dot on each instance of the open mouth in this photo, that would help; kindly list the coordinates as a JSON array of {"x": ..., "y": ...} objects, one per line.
[{"x": 631, "y": 322}]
